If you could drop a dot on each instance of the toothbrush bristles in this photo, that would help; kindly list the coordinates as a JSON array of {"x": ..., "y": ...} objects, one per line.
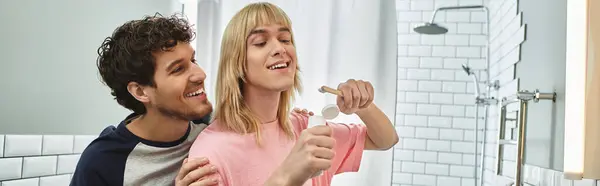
[{"x": 321, "y": 90}]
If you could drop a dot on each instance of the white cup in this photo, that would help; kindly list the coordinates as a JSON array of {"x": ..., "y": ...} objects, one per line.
[
  {"x": 329, "y": 112},
  {"x": 316, "y": 121}
]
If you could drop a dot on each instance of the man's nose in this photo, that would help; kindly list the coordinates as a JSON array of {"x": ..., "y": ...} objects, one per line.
[{"x": 198, "y": 74}]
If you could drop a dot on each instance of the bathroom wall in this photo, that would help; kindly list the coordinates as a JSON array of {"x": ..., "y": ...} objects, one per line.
[
  {"x": 528, "y": 53},
  {"x": 40, "y": 160},
  {"x": 436, "y": 112},
  {"x": 546, "y": 34},
  {"x": 49, "y": 79}
]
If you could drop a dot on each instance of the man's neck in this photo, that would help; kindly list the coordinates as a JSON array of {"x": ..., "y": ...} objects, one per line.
[
  {"x": 263, "y": 103},
  {"x": 155, "y": 126}
]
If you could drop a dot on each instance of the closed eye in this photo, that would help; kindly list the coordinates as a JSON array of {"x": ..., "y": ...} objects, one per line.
[
  {"x": 177, "y": 70},
  {"x": 261, "y": 44}
]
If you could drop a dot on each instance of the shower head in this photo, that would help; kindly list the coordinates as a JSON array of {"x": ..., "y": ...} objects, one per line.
[
  {"x": 469, "y": 72},
  {"x": 430, "y": 29},
  {"x": 467, "y": 69}
]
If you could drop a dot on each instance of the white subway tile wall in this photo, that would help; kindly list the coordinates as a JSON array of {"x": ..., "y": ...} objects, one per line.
[
  {"x": 435, "y": 114},
  {"x": 40, "y": 160}
]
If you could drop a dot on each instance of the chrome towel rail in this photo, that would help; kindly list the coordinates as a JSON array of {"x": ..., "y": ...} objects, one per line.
[{"x": 523, "y": 98}]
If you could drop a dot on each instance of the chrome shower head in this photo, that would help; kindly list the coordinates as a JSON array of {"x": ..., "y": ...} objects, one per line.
[
  {"x": 469, "y": 72},
  {"x": 467, "y": 69},
  {"x": 430, "y": 29}
]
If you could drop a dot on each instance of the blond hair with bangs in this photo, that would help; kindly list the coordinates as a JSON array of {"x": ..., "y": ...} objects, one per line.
[{"x": 230, "y": 108}]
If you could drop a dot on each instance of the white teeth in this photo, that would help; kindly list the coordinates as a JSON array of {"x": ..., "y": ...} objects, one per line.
[
  {"x": 277, "y": 66},
  {"x": 198, "y": 92}
]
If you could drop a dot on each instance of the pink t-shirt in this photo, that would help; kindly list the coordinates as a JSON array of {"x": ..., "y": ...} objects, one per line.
[{"x": 241, "y": 162}]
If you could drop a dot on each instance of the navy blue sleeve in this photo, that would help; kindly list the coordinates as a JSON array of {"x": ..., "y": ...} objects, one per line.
[
  {"x": 103, "y": 161},
  {"x": 87, "y": 174}
]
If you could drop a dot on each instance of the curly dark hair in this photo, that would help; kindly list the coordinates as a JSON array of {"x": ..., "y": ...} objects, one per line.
[{"x": 127, "y": 55}]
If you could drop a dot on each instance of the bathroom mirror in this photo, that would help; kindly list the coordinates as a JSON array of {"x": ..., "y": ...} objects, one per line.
[
  {"x": 49, "y": 80},
  {"x": 582, "y": 103},
  {"x": 542, "y": 66}
]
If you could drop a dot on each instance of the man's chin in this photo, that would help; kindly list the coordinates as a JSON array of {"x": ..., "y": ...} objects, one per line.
[{"x": 202, "y": 111}]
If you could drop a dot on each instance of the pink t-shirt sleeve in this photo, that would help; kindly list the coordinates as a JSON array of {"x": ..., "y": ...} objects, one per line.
[
  {"x": 206, "y": 150},
  {"x": 349, "y": 146}
]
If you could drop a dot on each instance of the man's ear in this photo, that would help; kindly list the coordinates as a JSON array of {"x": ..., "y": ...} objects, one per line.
[{"x": 138, "y": 91}]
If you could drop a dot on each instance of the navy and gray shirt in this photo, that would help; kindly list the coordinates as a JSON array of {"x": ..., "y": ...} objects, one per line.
[{"x": 118, "y": 157}]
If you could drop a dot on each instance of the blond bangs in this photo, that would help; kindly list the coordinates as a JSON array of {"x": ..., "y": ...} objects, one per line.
[{"x": 266, "y": 14}]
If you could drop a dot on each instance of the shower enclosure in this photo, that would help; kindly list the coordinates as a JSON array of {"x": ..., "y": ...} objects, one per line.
[{"x": 432, "y": 28}]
